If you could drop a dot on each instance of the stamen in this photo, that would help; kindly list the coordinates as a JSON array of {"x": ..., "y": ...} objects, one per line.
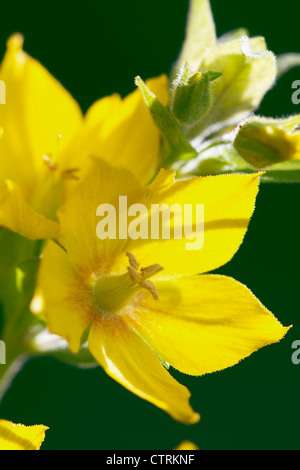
[
  {"x": 132, "y": 260},
  {"x": 113, "y": 292},
  {"x": 69, "y": 174},
  {"x": 49, "y": 163},
  {"x": 150, "y": 287},
  {"x": 134, "y": 274},
  {"x": 150, "y": 269},
  {"x": 139, "y": 276}
]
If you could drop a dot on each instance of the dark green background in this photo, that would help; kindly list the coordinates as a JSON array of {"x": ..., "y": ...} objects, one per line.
[{"x": 95, "y": 48}]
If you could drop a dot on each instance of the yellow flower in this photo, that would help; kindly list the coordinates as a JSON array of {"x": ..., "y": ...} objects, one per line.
[
  {"x": 45, "y": 140},
  {"x": 20, "y": 437},
  {"x": 187, "y": 445},
  {"x": 135, "y": 323}
]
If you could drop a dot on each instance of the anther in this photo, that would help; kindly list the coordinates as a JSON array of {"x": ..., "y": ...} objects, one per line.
[
  {"x": 150, "y": 287},
  {"x": 49, "y": 163},
  {"x": 70, "y": 174},
  {"x": 134, "y": 275},
  {"x": 132, "y": 260},
  {"x": 151, "y": 269},
  {"x": 140, "y": 275}
]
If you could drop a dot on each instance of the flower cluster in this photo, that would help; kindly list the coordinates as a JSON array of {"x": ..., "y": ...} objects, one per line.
[{"x": 137, "y": 307}]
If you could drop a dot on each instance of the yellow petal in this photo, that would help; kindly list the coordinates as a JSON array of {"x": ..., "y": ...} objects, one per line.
[
  {"x": 122, "y": 131},
  {"x": 102, "y": 110},
  {"x": 20, "y": 437},
  {"x": 202, "y": 324},
  {"x": 102, "y": 185},
  {"x": 88, "y": 141},
  {"x": 37, "y": 110},
  {"x": 187, "y": 445},
  {"x": 228, "y": 205},
  {"x": 60, "y": 288},
  {"x": 17, "y": 215},
  {"x": 130, "y": 361}
]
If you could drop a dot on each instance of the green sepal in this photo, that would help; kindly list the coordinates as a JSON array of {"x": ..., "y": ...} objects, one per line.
[
  {"x": 82, "y": 359},
  {"x": 85, "y": 335},
  {"x": 178, "y": 147}
]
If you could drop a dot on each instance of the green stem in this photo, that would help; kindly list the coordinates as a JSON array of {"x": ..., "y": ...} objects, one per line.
[{"x": 8, "y": 372}]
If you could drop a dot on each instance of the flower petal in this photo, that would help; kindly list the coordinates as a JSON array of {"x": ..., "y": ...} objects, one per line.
[
  {"x": 130, "y": 361},
  {"x": 37, "y": 110},
  {"x": 17, "y": 215},
  {"x": 228, "y": 205},
  {"x": 122, "y": 131},
  {"x": 187, "y": 445},
  {"x": 60, "y": 290},
  {"x": 202, "y": 324},
  {"x": 102, "y": 185},
  {"x": 20, "y": 437}
]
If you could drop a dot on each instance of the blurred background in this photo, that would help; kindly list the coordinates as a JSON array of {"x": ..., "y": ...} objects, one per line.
[{"x": 96, "y": 48}]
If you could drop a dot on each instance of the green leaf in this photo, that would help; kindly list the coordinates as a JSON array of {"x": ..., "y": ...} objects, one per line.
[
  {"x": 200, "y": 34},
  {"x": 179, "y": 147},
  {"x": 286, "y": 62}
]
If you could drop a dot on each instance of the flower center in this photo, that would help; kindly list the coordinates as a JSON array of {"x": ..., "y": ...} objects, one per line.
[
  {"x": 50, "y": 161},
  {"x": 113, "y": 292}
]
